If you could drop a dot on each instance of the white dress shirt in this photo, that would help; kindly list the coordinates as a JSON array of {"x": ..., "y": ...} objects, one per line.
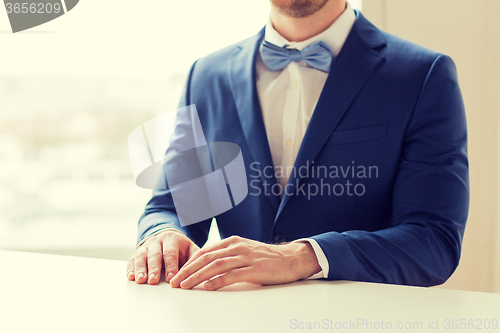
[{"x": 288, "y": 99}]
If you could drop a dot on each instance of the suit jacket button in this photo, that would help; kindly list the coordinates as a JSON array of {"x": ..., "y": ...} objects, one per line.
[{"x": 279, "y": 238}]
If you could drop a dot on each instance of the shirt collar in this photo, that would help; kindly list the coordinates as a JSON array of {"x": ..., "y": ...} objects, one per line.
[{"x": 335, "y": 36}]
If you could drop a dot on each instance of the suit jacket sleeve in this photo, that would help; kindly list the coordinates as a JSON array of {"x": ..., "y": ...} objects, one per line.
[
  {"x": 430, "y": 197},
  {"x": 160, "y": 211}
]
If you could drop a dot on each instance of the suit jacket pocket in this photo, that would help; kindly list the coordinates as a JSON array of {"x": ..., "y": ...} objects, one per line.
[{"x": 357, "y": 135}]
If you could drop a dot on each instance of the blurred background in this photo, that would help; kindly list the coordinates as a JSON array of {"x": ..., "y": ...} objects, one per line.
[{"x": 73, "y": 89}]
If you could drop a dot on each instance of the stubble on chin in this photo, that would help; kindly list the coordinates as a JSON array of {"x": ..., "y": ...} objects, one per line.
[{"x": 298, "y": 8}]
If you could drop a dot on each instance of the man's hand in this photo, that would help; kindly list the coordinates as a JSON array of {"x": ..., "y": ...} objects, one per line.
[
  {"x": 237, "y": 259},
  {"x": 169, "y": 248}
]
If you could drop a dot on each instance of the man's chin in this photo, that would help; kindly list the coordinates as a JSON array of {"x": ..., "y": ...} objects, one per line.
[{"x": 298, "y": 8}]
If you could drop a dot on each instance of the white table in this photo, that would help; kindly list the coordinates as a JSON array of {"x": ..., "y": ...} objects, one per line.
[{"x": 48, "y": 293}]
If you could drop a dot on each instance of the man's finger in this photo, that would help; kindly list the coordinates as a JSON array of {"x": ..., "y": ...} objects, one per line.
[
  {"x": 214, "y": 247},
  {"x": 154, "y": 262},
  {"x": 236, "y": 275},
  {"x": 140, "y": 261},
  {"x": 171, "y": 259},
  {"x": 130, "y": 269},
  {"x": 205, "y": 259},
  {"x": 217, "y": 267}
]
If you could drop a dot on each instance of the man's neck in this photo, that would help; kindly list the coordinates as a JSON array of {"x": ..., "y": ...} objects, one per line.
[{"x": 299, "y": 29}]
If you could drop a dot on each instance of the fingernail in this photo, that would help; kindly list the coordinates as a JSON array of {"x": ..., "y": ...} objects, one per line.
[
  {"x": 140, "y": 275},
  {"x": 208, "y": 285},
  {"x": 130, "y": 273},
  {"x": 152, "y": 276},
  {"x": 184, "y": 283},
  {"x": 169, "y": 276}
]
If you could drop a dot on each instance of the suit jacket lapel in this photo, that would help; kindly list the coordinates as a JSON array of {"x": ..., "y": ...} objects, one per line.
[
  {"x": 349, "y": 72},
  {"x": 242, "y": 78}
]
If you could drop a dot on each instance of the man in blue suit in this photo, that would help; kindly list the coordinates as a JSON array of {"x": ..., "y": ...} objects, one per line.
[{"x": 354, "y": 144}]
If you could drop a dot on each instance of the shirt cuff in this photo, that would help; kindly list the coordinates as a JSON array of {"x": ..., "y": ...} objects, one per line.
[
  {"x": 320, "y": 255},
  {"x": 156, "y": 231}
]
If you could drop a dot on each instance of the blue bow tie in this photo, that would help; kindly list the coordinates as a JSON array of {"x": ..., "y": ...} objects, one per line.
[{"x": 317, "y": 55}]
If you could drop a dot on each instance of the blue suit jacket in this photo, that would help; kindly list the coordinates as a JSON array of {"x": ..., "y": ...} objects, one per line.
[{"x": 387, "y": 103}]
